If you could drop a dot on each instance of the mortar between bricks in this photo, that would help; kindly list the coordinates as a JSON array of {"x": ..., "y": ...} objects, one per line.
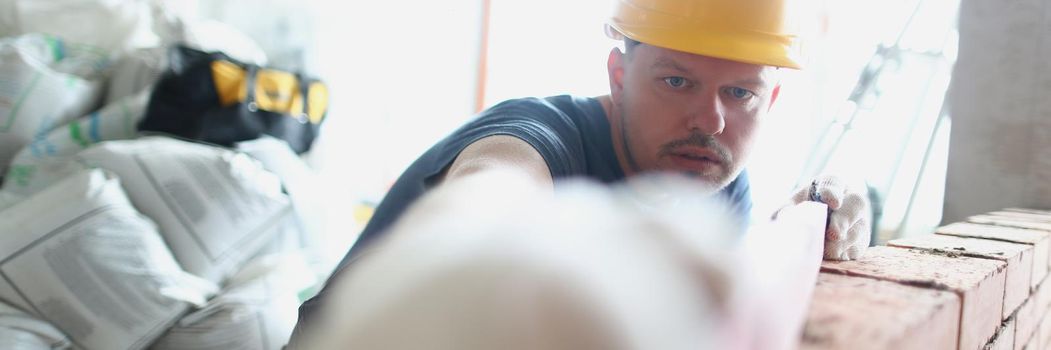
[{"x": 1004, "y": 339}]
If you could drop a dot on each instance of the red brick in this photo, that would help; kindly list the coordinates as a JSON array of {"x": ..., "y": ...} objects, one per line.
[
  {"x": 1026, "y": 322},
  {"x": 1032, "y": 344},
  {"x": 1042, "y": 296},
  {"x": 1034, "y": 217},
  {"x": 1031, "y": 211},
  {"x": 1019, "y": 259},
  {"x": 1008, "y": 221},
  {"x": 978, "y": 282},
  {"x": 864, "y": 313},
  {"x": 1045, "y": 331},
  {"x": 1038, "y": 239},
  {"x": 1005, "y": 337}
]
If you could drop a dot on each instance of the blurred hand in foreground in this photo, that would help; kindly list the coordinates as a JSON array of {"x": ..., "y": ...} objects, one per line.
[{"x": 496, "y": 261}]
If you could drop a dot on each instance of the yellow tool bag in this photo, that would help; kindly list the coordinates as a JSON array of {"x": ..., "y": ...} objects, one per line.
[{"x": 210, "y": 97}]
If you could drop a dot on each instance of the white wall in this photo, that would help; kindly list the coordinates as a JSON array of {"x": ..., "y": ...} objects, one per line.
[
  {"x": 1000, "y": 100},
  {"x": 547, "y": 47},
  {"x": 402, "y": 75}
]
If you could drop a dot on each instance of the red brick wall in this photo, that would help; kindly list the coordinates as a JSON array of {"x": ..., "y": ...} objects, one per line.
[{"x": 980, "y": 284}]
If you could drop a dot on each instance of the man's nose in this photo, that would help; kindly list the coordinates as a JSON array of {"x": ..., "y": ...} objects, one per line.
[{"x": 707, "y": 115}]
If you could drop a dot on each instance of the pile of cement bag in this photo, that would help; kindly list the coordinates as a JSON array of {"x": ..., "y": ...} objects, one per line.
[{"x": 114, "y": 240}]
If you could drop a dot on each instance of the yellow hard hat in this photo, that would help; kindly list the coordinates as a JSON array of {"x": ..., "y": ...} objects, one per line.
[{"x": 750, "y": 31}]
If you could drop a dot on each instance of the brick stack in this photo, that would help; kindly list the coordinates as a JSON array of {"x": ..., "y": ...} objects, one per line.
[{"x": 980, "y": 284}]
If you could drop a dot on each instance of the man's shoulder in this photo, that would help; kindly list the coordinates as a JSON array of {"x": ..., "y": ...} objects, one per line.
[
  {"x": 559, "y": 103},
  {"x": 555, "y": 126},
  {"x": 560, "y": 112}
]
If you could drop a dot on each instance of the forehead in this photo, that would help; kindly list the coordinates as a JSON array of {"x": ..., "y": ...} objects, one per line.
[{"x": 658, "y": 59}]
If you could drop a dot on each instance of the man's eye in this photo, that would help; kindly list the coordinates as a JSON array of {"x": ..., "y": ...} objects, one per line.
[
  {"x": 739, "y": 93},
  {"x": 675, "y": 82}
]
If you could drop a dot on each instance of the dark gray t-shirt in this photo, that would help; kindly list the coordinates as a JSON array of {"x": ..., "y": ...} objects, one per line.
[{"x": 572, "y": 134}]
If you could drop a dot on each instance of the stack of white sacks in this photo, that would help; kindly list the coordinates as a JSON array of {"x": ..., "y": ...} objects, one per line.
[{"x": 112, "y": 240}]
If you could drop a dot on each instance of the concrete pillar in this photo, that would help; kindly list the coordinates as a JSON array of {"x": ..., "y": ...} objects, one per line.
[{"x": 1000, "y": 102}]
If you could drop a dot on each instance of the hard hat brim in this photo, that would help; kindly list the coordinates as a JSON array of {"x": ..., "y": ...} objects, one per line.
[{"x": 752, "y": 48}]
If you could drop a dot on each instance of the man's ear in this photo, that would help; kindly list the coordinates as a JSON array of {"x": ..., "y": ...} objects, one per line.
[
  {"x": 615, "y": 69},
  {"x": 773, "y": 96}
]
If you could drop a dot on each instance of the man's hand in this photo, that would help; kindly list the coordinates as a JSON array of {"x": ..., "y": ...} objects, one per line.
[{"x": 848, "y": 231}]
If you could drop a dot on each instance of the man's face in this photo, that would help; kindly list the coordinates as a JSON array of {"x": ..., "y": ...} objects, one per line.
[{"x": 685, "y": 113}]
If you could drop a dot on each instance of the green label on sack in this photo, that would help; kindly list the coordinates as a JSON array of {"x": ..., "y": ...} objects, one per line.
[
  {"x": 6, "y": 125},
  {"x": 21, "y": 174}
]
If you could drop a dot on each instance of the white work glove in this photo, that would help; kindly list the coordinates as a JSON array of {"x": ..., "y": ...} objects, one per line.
[{"x": 848, "y": 231}]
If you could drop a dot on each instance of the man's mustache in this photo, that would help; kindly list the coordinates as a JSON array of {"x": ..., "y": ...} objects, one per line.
[{"x": 701, "y": 141}]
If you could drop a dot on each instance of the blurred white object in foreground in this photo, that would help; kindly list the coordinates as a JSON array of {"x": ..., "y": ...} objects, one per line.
[{"x": 494, "y": 262}]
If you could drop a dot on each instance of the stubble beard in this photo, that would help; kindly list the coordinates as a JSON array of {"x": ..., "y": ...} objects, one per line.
[{"x": 715, "y": 181}]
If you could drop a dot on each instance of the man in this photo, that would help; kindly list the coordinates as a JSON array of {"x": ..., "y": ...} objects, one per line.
[{"x": 687, "y": 94}]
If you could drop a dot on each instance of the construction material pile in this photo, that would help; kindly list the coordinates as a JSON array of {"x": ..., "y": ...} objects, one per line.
[{"x": 112, "y": 238}]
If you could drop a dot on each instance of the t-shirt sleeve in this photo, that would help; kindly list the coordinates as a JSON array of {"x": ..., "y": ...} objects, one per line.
[{"x": 550, "y": 131}]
